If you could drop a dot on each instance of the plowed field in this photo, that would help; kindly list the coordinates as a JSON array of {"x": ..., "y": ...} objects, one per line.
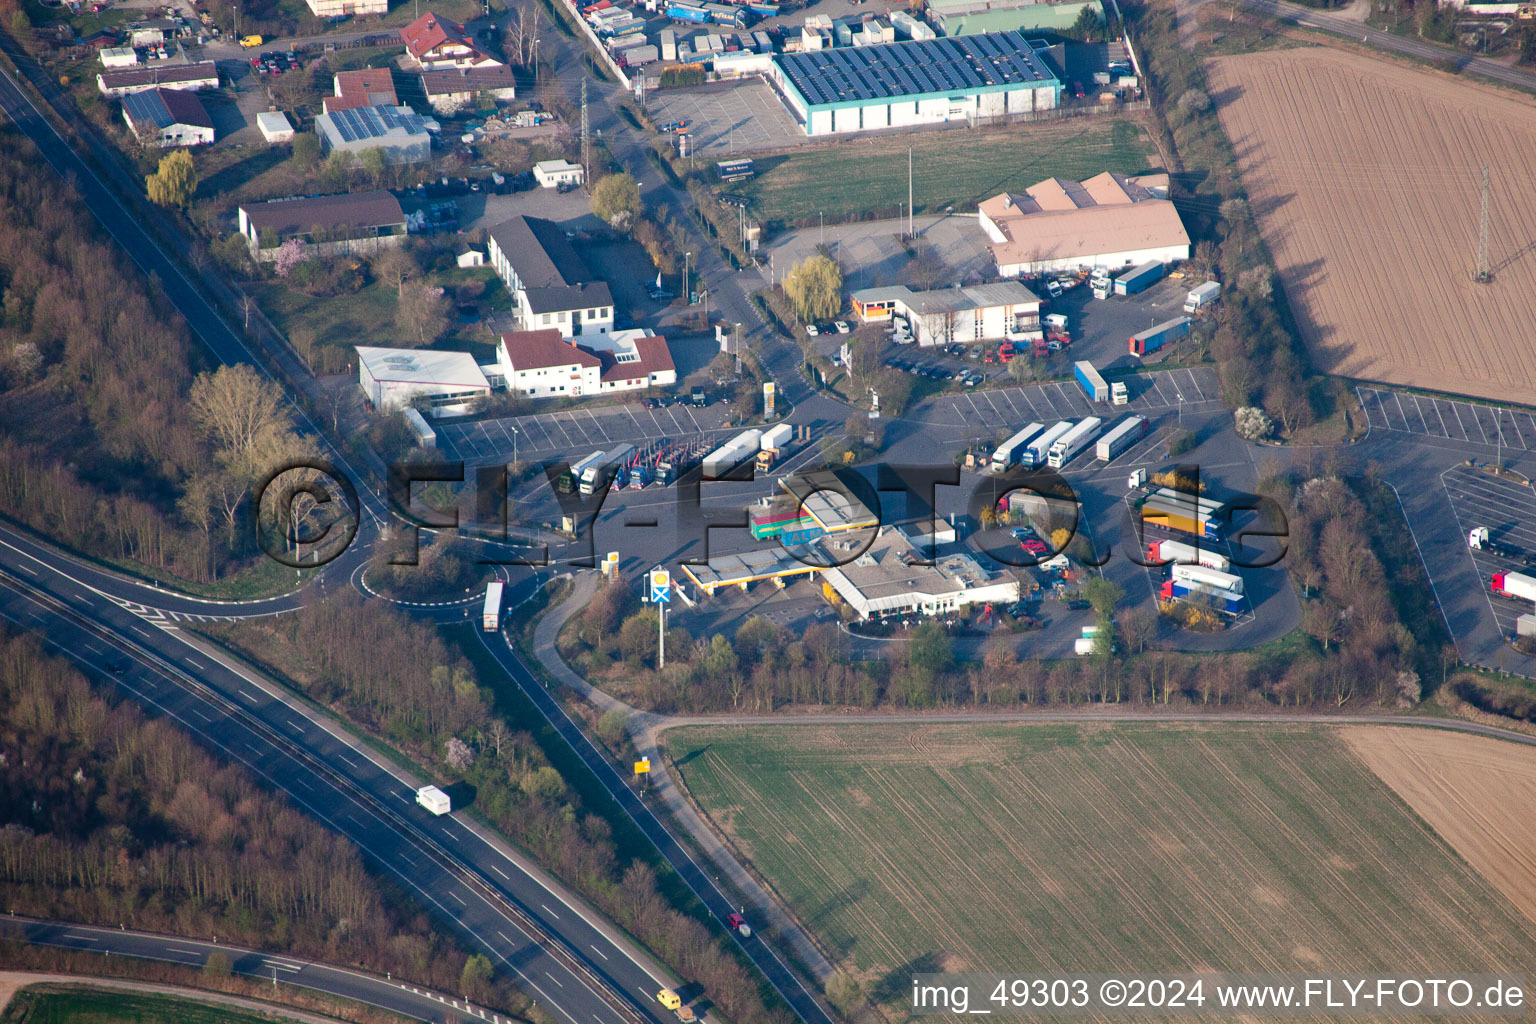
[
  {"x": 1019, "y": 848},
  {"x": 1366, "y": 179}
]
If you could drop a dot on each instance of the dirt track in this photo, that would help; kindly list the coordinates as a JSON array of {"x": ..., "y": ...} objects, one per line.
[
  {"x": 1478, "y": 794},
  {"x": 1366, "y": 177}
]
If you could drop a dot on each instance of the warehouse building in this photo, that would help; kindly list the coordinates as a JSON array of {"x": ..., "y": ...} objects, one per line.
[
  {"x": 204, "y": 74},
  {"x": 916, "y": 82},
  {"x": 361, "y": 222},
  {"x": 172, "y": 117},
  {"x": 890, "y": 579},
  {"x": 1005, "y": 309},
  {"x": 439, "y": 383},
  {"x": 973, "y": 17},
  {"x": 400, "y": 133},
  {"x": 1110, "y": 220}
]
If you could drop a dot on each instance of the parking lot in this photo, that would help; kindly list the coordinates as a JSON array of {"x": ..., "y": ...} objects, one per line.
[
  {"x": 1454, "y": 419},
  {"x": 1508, "y": 509},
  {"x": 575, "y": 432},
  {"x": 728, "y": 118},
  {"x": 989, "y": 412}
]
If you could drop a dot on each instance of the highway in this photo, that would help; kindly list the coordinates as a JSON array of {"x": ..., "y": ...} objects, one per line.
[
  {"x": 286, "y": 971},
  {"x": 557, "y": 949},
  {"x": 1308, "y": 17}
]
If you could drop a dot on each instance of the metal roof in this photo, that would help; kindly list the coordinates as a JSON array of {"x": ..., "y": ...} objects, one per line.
[{"x": 914, "y": 68}]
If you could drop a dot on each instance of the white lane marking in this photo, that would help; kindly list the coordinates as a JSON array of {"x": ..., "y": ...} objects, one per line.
[
  {"x": 505, "y": 939},
  {"x": 457, "y": 897},
  {"x": 82, "y": 938},
  {"x": 551, "y": 913},
  {"x": 552, "y": 978},
  {"x": 348, "y": 760},
  {"x": 200, "y": 714},
  {"x": 599, "y": 952},
  {"x": 304, "y": 782},
  {"x": 29, "y": 571},
  {"x": 296, "y": 727},
  {"x": 193, "y": 661},
  {"x": 500, "y": 872},
  {"x": 177, "y": 949},
  {"x": 246, "y": 696}
]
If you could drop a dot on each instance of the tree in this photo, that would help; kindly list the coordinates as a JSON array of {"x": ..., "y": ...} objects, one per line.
[
  {"x": 174, "y": 182},
  {"x": 616, "y": 201},
  {"x": 815, "y": 288},
  {"x": 1088, "y": 27},
  {"x": 289, "y": 256},
  {"x": 375, "y": 164},
  {"x": 475, "y": 982},
  {"x": 543, "y": 783},
  {"x": 459, "y": 755},
  {"x": 1322, "y": 621},
  {"x": 306, "y": 150},
  {"x": 421, "y": 312},
  {"x": 930, "y": 648},
  {"x": 1253, "y": 423},
  {"x": 243, "y": 414},
  {"x": 927, "y": 268},
  {"x": 394, "y": 265},
  {"x": 845, "y": 993}
]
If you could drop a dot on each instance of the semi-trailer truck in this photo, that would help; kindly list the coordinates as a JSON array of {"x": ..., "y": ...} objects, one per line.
[
  {"x": 1120, "y": 438},
  {"x": 1091, "y": 381},
  {"x": 434, "y": 800},
  {"x": 1515, "y": 585},
  {"x": 607, "y": 462},
  {"x": 733, "y": 453},
  {"x": 1154, "y": 338},
  {"x": 1222, "y": 600},
  {"x": 1139, "y": 279},
  {"x": 1178, "y": 551},
  {"x": 1038, "y": 450},
  {"x": 570, "y": 479},
  {"x": 1007, "y": 453},
  {"x": 685, "y": 10},
  {"x": 490, "y": 620},
  {"x": 1201, "y": 296},
  {"x": 1200, "y": 576},
  {"x": 772, "y": 444},
  {"x": 1181, "y": 515},
  {"x": 1072, "y": 443}
]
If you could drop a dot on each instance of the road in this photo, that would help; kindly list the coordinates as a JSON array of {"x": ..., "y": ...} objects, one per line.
[
  {"x": 397, "y": 997},
  {"x": 558, "y": 950},
  {"x": 1307, "y": 17}
]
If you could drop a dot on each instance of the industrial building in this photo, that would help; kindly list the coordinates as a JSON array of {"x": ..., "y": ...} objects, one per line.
[
  {"x": 438, "y": 383},
  {"x": 543, "y": 364},
  {"x": 334, "y": 9},
  {"x": 890, "y": 579},
  {"x": 173, "y": 117},
  {"x": 973, "y": 17},
  {"x": 274, "y": 126},
  {"x": 1110, "y": 220},
  {"x": 202, "y": 75},
  {"x": 830, "y": 498},
  {"x": 351, "y": 222},
  {"x": 549, "y": 282},
  {"x": 915, "y": 82},
  {"x": 401, "y": 134},
  {"x": 1004, "y": 309}
]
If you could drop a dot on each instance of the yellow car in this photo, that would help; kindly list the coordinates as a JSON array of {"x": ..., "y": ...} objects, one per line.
[{"x": 251, "y": 42}]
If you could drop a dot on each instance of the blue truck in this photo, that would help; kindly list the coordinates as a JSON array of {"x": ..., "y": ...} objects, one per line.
[
  {"x": 1228, "y": 601},
  {"x": 1091, "y": 381},
  {"x": 1139, "y": 279},
  {"x": 686, "y": 10},
  {"x": 1154, "y": 338}
]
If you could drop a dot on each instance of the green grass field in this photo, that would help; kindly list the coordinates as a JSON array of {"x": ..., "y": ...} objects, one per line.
[
  {"x": 54, "y": 1005},
  {"x": 948, "y": 167},
  {"x": 1015, "y": 848}
]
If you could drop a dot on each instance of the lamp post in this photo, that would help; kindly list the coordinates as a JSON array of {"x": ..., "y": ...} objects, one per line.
[{"x": 687, "y": 297}]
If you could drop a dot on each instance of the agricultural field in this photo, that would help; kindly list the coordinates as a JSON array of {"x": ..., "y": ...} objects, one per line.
[
  {"x": 55, "y": 1004},
  {"x": 1366, "y": 177},
  {"x": 1479, "y": 794},
  {"x": 948, "y": 167},
  {"x": 1080, "y": 848}
]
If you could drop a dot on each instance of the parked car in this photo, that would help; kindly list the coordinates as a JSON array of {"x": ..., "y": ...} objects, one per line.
[
  {"x": 841, "y": 326},
  {"x": 812, "y": 330},
  {"x": 1033, "y": 546},
  {"x": 972, "y": 379}
]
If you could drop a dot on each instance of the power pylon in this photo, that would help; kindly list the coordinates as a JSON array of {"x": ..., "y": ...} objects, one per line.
[{"x": 1484, "y": 273}]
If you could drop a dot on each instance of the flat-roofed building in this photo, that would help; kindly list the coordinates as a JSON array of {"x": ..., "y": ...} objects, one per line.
[
  {"x": 274, "y": 126},
  {"x": 351, "y": 222},
  {"x": 1110, "y": 220},
  {"x": 400, "y": 133},
  {"x": 203, "y": 74},
  {"x": 891, "y": 578},
  {"x": 437, "y": 383},
  {"x": 554, "y": 173},
  {"x": 1003, "y": 309}
]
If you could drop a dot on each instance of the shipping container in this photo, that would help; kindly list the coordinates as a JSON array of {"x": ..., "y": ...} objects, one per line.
[
  {"x": 1038, "y": 450},
  {"x": 1201, "y": 296},
  {"x": 1179, "y": 552},
  {"x": 1154, "y": 338},
  {"x": 1525, "y": 625},
  {"x": 1199, "y": 575},
  {"x": 1009, "y": 451},
  {"x": 668, "y": 44},
  {"x": 741, "y": 448},
  {"x": 1073, "y": 442},
  {"x": 1091, "y": 381},
  {"x": 1514, "y": 584},
  {"x": 1121, "y": 437},
  {"x": 490, "y": 619},
  {"x": 635, "y": 56},
  {"x": 1139, "y": 279},
  {"x": 762, "y": 42}
]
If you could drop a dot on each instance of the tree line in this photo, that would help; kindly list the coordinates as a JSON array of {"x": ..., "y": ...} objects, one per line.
[{"x": 111, "y": 817}]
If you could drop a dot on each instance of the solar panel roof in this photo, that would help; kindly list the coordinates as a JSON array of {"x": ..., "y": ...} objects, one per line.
[{"x": 916, "y": 67}]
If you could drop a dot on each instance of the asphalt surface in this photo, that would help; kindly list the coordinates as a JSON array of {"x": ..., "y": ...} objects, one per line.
[
  {"x": 286, "y": 971},
  {"x": 1307, "y": 17},
  {"x": 561, "y": 953}
]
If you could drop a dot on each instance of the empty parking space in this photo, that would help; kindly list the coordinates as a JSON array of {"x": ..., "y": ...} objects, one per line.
[
  {"x": 1508, "y": 509},
  {"x": 728, "y": 118},
  {"x": 1453, "y": 419},
  {"x": 574, "y": 432},
  {"x": 1010, "y": 408}
]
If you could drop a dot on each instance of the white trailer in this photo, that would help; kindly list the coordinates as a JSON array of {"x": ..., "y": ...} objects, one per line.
[
  {"x": 776, "y": 438},
  {"x": 1120, "y": 438},
  {"x": 491, "y": 620},
  {"x": 1037, "y": 451},
  {"x": 605, "y": 464},
  {"x": 1178, "y": 551},
  {"x": 1201, "y": 296},
  {"x": 733, "y": 453},
  {"x": 1071, "y": 444},
  {"x": 434, "y": 800},
  {"x": 1008, "y": 452},
  {"x": 1210, "y": 579}
]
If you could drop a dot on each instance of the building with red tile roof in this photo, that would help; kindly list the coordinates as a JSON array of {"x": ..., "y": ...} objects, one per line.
[{"x": 433, "y": 41}]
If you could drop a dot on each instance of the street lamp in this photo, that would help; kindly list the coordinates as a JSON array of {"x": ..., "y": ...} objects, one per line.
[{"x": 687, "y": 296}]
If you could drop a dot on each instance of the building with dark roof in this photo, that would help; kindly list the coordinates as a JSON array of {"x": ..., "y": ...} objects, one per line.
[
  {"x": 451, "y": 89},
  {"x": 203, "y": 74},
  {"x": 351, "y": 222},
  {"x": 175, "y": 117},
  {"x": 550, "y": 284},
  {"x": 987, "y": 77}
]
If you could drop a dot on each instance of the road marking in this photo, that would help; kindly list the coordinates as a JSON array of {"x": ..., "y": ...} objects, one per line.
[
  {"x": 551, "y": 913},
  {"x": 83, "y": 938},
  {"x": 457, "y": 897},
  {"x": 505, "y": 939},
  {"x": 599, "y": 952},
  {"x": 246, "y": 696},
  {"x": 500, "y": 872},
  {"x": 301, "y": 780},
  {"x": 295, "y": 726},
  {"x": 554, "y": 979},
  {"x": 177, "y": 949},
  {"x": 200, "y": 713},
  {"x": 26, "y": 569},
  {"x": 193, "y": 661},
  {"x": 348, "y": 760}
]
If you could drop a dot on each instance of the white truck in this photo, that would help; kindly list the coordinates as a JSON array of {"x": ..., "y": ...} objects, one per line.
[
  {"x": 1210, "y": 579},
  {"x": 1201, "y": 296},
  {"x": 434, "y": 800},
  {"x": 1072, "y": 443},
  {"x": 1007, "y": 453},
  {"x": 1039, "y": 449}
]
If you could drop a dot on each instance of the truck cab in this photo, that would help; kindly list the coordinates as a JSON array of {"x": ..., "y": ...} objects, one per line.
[{"x": 1118, "y": 395}]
